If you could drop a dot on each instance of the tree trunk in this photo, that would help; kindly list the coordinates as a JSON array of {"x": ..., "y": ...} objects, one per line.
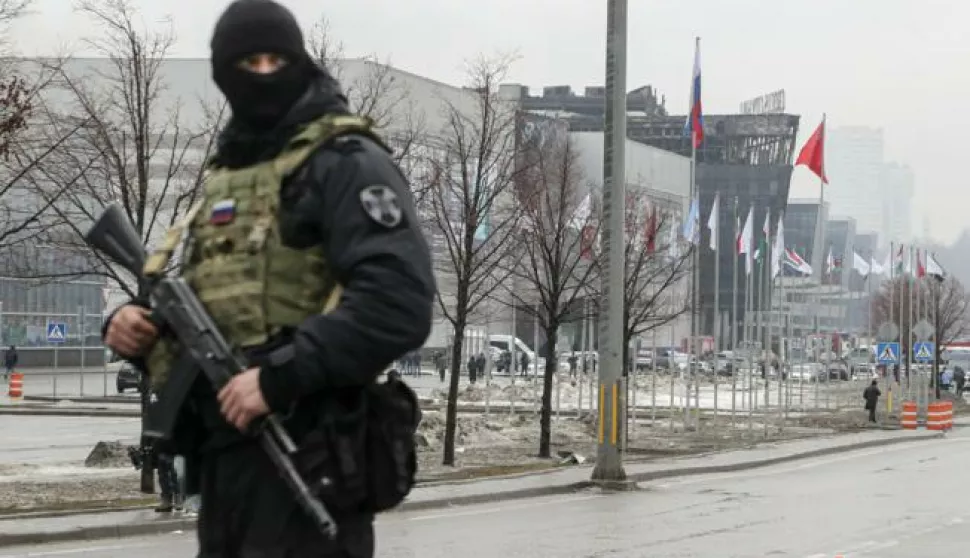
[
  {"x": 451, "y": 414},
  {"x": 552, "y": 363}
]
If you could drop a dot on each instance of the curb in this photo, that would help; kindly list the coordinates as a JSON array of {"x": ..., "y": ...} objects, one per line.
[{"x": 189, "y": 523}]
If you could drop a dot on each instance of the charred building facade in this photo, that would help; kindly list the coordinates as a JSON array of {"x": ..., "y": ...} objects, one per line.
[{"x": 745, "y": 158}]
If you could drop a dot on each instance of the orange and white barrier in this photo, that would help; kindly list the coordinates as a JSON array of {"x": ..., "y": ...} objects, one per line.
[
  {"x": 908, "y": 418},
  {"x": 16, "y": 385},
  {"x": 939, "y": 416}
]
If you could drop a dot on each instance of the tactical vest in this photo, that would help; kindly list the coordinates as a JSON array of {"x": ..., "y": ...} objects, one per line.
[{"x": 252, "y": 285}]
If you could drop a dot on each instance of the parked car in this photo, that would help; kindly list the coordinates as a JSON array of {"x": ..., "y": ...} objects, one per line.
[{"x": 128, "y": 378}]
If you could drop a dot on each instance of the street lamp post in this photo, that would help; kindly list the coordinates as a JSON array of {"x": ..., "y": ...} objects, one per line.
[{"x": 609, "y": 463}]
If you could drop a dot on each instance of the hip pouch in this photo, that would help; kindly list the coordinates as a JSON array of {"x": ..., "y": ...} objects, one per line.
[{"x": 360, "y": 457}]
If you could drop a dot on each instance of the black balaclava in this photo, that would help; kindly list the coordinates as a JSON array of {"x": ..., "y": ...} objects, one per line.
[{"x": 250, "y": 27}]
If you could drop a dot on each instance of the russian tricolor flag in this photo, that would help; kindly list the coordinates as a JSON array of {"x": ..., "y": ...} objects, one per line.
[{"x": 695, "y": 120}]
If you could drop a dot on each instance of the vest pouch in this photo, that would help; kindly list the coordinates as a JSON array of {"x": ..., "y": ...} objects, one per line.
[
  {"x": 393, "y": 415},
  {"x": 332, "y": 457}
]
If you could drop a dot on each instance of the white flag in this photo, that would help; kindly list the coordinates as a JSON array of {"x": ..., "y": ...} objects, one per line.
[
  {"x": 778, "y": 248},
  {"x": 712, "y": 221},
  {"x": 860, "y": 264},
  {"x": 875, "y": 267},
  {"x": 745, "y": 241},
  {"x": 933, "y": 268},
  {"x": 692, "y": 226}
]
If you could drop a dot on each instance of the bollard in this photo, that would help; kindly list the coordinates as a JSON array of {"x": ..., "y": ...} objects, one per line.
[{"x": 16, "y": 388}]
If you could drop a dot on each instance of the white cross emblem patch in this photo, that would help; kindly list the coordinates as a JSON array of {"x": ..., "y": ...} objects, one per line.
[{"x": 381, "y": 204}]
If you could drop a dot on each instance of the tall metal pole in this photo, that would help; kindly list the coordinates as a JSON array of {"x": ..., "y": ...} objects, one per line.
[
  {"x": 609, "y": 465},
  {"x": 717, "y": 296},
  {"x": 734, "y": 318}
]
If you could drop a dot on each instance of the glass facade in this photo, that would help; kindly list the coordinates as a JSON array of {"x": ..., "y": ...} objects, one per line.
[
  {"x": 29, "y": 304},
  {"x": 765, "y": 188}
]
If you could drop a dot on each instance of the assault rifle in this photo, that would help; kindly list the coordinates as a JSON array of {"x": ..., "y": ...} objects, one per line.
[{"x": 177, "y": 311}]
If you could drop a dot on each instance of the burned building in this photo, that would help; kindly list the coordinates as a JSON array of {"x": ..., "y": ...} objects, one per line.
[{"x": 746, "y": 158}]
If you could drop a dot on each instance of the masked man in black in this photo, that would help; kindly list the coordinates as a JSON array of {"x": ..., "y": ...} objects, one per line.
[{"x": 307, "y": 253}]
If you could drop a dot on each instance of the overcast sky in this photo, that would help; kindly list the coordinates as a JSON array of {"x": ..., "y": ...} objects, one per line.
[{"x": 896, "y": 64}]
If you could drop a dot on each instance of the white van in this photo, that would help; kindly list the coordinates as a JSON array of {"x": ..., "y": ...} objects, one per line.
[{"x": 504, "y": 343}]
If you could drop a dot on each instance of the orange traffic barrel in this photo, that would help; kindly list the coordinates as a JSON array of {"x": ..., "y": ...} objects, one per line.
[
  {"x": 908, "y": 417},
  {"x": 936, "y": 416},
  {"x": 16, "y": 385},
  {"x": 947, "y": 415}
]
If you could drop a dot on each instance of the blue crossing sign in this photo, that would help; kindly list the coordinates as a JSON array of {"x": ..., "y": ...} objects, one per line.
[
  {"x": 923, "y": 351},
  {"x": 56, "y": 332},
  {"x": 887, "y": 353}
]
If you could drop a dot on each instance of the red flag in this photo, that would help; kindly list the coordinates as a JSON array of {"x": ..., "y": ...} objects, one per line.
[
  {"x": 651, "y": 232},
  {"x": 812, "y": 154}
]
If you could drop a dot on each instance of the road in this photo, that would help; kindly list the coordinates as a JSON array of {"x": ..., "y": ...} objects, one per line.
[
  {"x": 43, "y": 440},
  {"x": 895, "y": 502}
]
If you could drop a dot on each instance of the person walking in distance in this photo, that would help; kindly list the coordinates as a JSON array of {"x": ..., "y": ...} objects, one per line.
[
  {"x": 302, "y": 209},
  {"x": 871, "y": 396},
  {"x": 10, "y": 359}
]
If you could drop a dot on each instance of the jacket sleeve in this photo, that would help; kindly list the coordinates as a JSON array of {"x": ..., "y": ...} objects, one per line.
[
  {"x": 379, "y": 256},
  {"x": 137, "y": 362}
]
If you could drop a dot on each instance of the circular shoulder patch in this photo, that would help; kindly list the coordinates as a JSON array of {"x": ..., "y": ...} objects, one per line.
[{"x": 381, "y": 204}]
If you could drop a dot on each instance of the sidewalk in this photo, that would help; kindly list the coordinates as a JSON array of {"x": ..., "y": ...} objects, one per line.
[{"x": 24, "y": 529}]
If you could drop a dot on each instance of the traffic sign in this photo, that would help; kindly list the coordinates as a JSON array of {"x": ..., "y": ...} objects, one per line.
[
  {"x": 887, "y": 331},
  {"x": 923, "y": 330},
  {"x": 923, "y": 351},
  {"x": 56, "y": 332},
  {"x": 887, "y": 353}
]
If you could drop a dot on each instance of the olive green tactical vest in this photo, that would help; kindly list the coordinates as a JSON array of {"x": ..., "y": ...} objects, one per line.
[{"x": 251, "y": 284}]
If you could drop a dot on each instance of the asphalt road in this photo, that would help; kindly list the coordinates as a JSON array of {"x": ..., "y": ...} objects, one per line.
[
  {"x": 896, "y": 502},
  {"x": 44, "y": 440}
]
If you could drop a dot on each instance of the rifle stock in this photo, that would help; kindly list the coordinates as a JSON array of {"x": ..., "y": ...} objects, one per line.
[{"x": 179, "y": 313}]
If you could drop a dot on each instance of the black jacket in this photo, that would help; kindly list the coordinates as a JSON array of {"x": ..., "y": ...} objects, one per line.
[{"x": 386, "y": 272}]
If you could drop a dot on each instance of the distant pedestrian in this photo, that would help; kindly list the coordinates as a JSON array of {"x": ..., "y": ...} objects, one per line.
[
  {"x": 168, "y": 482},
  {"x": 10, "y": 359},
  {"x": 439, "y": 361},
  {"x": 960, "y": 379},
  {"x": 871, "y": 395},
  {"x": 573, "y": 362}
]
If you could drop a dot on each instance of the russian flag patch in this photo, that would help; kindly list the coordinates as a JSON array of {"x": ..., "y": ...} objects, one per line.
[{"x": 223, "y": 212}]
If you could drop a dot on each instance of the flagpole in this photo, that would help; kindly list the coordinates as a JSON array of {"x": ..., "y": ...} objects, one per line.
[
  {"x": 734, "y": 317},
  {"x": 749, "y": 337},
  {"x": 766, "y": 341},
  {"x": 899, "y": 317},
  {"x": 909, "y": 338},
  {"x": 891, "y": 320},
  {"x": 717, "y": 294}
]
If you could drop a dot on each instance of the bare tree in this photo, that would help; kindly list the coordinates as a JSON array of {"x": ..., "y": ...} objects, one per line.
[
  {"x": 378, "y": 94},
  {"x": 134, "y": 146},
  {"x": 473, "y": 208},
  {"x": 25, "y": 148},
  {"x": 556, "y": 267},
  {"x": 654, "y": 270},
  {"x": 944, "y": 303}
]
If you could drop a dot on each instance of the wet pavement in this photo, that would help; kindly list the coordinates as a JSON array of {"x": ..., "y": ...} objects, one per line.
[
  {"x": 46, "y": 440},
  {"x": 893, "y": 502}
]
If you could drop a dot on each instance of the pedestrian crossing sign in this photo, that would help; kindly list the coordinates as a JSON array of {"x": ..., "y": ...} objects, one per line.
[
  {"x": 923, "y": 351},
  {"x": 887, "y": 353},
  {"x": 56, "y": 332}
]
